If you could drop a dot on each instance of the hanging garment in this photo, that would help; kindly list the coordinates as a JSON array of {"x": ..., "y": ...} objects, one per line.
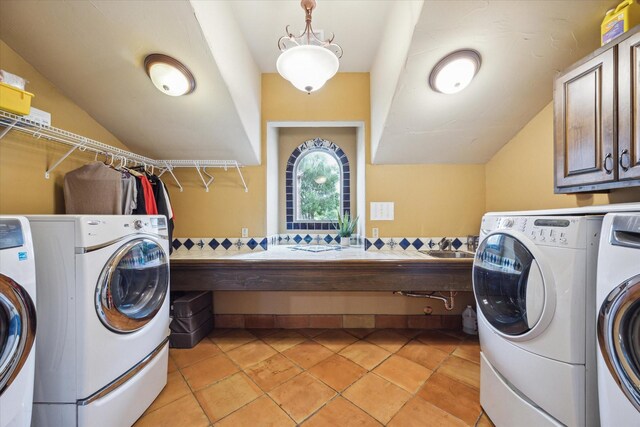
[
  {"x": 141, "y": 206},
  {"x": 170, "y": 223},
  {"x": 128, "y": 187},
  {"x": 93, "y": 189},
  {"x": 149, "y": 199}
]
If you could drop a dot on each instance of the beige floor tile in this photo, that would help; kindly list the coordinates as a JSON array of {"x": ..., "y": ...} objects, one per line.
[
  {"x": 251, "y": 353},
  {"x": 302, "y": 396},
  {"x": 262, "y": 412},
  {"x": 233, "y": 339},
  {"x": 404, "y": 373},
  {"x": 359, "y": 332},
  {"x": 335, "y": 339},
  {"x": 418, "y": 413},
  {"x": 377, "y": 396},
  {"x": 188, "y": 356},
  {"x": 444, "y": 342},
  {"x": 175, "y": 389},
  {"x": 388, "y": 339},
  {"x": 308, "y": 354},
  {"x": 171, "y": 367},
  {"x": 311, "y": 332},
  {"x": 484, "y": 421},
  {"x": 340, "y": 412},
  {"x": 272, "y": 372},
  {"x": 284, "y": 339},
  {"x": 453, "y": 397},
  {"x": 261, "y": 333},
  {"x": 228, "y": 395},
  {"x": 409, "y": 333},
  {"x": 337, "y": 372},
  {"x": 209, "y": 371},
  {"x": 184, "y": 412},
  {"x": 365, "y": 354},
  {"x": 461, "y": 370},
  {"x": 469, "y": 350},
  {"x": 427, "y": 356}
]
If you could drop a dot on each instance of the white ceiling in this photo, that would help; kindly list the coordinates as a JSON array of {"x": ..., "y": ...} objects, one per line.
[{"x": 93, "y": 52}]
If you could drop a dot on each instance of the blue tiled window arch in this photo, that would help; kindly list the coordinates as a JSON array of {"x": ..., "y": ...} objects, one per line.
[{"x": 316, "y": 144}]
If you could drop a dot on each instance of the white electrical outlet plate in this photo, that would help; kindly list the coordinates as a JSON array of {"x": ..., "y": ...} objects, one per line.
[
  {"x": 245, "y": 232},
  {"x": 374, "y": 232},
  {"x": 382, "y": 211}
]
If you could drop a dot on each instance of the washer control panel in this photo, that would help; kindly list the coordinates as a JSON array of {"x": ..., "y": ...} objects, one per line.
[{"x": 548, "y": 231}]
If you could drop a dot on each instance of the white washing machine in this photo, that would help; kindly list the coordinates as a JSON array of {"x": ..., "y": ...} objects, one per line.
[
  {"x": 534, "y": 282},
  {"x": 103, "y": 287},
  {"x": 618, "y": 310},
  {"x": 17, "y": 322}
]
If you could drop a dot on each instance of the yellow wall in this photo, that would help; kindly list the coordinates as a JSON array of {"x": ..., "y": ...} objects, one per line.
[
  {"x": 520, "y": 175},
  {"x": 23, "y": 159}
]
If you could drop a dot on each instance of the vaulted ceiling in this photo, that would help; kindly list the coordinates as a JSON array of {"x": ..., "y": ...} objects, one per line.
[{"x": 93, "y": 52}]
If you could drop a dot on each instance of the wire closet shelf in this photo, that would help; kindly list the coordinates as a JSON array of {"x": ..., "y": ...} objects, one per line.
[{"x": 118, "y": 156}]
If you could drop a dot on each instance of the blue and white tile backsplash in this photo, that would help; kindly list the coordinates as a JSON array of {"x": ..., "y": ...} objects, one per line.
[{"x": 256, "y": 244}]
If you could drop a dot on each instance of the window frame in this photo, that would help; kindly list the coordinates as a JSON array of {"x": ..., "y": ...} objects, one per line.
[{"x": 291, "y": 191}]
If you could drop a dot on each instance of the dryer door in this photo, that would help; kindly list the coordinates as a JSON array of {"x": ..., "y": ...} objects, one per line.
[
  {"x": 619, "y": 337},
  {"x": 17, "y": 329},
  {"x": 133, "y": 285},
  {"x": 510, "y": 288}
]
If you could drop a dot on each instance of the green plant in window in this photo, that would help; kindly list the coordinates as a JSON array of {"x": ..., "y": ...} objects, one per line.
[
  {"x": 346, "y": 224},
  {"x": 318, "y": 183}
]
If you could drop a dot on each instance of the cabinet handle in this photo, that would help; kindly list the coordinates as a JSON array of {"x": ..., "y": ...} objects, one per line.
[
  {"x": 608, "y": 170},
  {"x": 623, "y": 155}
]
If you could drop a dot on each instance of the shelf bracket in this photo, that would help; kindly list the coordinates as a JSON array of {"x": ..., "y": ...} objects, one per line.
[
  {"x": 47, "y": 173},
  {"x": 8, "y": 127},
  {"x": 246, "y": 190},
  {"x": 170, "y": 169},
  {"x": 206, "y": 183}
]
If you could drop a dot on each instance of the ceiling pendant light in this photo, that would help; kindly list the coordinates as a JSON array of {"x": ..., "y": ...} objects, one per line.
[
  {"x": 306, "y": 60},
  {"x": 169, "y": 75},
  {"x": 455, "y": 71}
]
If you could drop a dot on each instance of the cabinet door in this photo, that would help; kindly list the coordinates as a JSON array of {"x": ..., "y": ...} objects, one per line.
[
  {"x": 629, "y": 107},
  {"x": 585, "y": 123}
]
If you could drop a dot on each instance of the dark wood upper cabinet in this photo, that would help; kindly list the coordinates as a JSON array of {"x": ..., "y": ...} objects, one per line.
[
  {"x": 629, "y": 108},
  {"x": 596, "y": 109}
]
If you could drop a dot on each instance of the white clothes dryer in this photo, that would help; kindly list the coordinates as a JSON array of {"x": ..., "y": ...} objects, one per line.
[
  {"x": 618, "y": 310},
  {"x": 104, "y": 310},
  {"x": 534, "y": 284},
  {"x": 17, "y": 322}
]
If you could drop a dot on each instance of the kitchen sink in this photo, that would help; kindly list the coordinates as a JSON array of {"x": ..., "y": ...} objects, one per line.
[{"x": 447, "y": 254}]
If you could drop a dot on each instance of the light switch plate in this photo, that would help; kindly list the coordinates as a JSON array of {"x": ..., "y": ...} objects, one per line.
[
  {"x": 374, "y": 232},
  {"x": 245, "y": 232},
  {"x": 382, "y": 211}
]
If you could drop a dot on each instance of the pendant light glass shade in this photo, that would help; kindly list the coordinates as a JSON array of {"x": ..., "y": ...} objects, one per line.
[{"x": 307, "y": 67}]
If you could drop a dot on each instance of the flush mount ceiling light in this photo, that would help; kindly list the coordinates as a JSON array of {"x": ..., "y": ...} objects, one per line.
[
  {"x": 169, "y": 75},
  {"x": 455, "y": 71},
  {"x": 307, "y": 61}
]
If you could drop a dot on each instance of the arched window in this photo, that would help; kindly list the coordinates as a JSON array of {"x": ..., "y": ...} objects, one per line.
[{"x": 317, "y": 185}]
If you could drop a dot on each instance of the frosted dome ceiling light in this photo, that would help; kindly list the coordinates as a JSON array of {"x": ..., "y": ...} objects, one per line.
[
  {"x": 307, "y": 61},
  {"x": 455, "y": 71},
  {"x": 169, "y": 75}
]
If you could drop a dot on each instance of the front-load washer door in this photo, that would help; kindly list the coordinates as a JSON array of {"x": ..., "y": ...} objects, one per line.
[
  {"x": 510, "y": 287},
  {"x": 133, "y": 285},
  {"x": 17, "y": 329},
  {"x": 619, "y": 337}
]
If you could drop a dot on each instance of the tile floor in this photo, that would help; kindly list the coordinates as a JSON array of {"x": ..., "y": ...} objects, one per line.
[{"x": 317, "y": 377}]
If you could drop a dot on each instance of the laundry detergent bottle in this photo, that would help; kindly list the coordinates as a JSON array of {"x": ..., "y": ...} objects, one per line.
[{"x": 469, "y": 321}]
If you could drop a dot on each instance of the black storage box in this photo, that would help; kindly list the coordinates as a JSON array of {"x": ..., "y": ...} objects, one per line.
[
  {"x": 186, "y": 304},
  {"x": 190, "y": 339},
  {"x": 190, "y": 324}
]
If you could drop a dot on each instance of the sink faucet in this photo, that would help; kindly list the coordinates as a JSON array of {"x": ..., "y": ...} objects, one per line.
[{"x": 444, "y": 244}]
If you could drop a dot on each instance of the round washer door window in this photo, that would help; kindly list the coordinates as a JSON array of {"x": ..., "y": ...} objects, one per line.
[
  {"x": 17, "y": 329},
  {"x": 132, "y": 286},
  {"x": 508, "y": 285},
  {"x": 619, "y": 337}
]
